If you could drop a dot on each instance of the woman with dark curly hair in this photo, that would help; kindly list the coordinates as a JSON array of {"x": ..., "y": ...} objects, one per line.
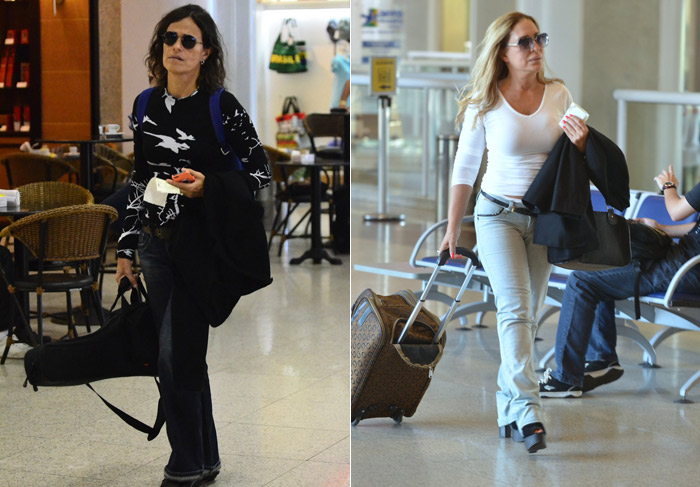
[{"x": 184, "y": 239}]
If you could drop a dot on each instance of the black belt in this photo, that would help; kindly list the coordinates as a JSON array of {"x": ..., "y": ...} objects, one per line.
[
  {"x": 509, "y": 207},
  {"x": 163, "y": 233}
]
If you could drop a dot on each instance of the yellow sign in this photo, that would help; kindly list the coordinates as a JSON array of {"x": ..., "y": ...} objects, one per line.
[{"x": 383, "y": 75}]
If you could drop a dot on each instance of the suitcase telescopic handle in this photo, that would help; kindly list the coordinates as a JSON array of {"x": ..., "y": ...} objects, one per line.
[
  {"x": 464, "y": 252},
  {"x": 444, "y": 256}
]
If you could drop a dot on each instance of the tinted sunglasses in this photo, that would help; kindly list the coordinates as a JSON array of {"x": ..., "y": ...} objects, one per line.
[
  {"x": 188, "y": 41},
  {"x": 527, "y": 43}
]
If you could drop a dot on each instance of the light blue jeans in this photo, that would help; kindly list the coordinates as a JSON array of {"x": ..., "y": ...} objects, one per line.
[{"x": 518, "y": 272}]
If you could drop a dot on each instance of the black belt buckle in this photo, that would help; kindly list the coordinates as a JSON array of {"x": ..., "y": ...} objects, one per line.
[
  {"x": 161, "y": 233},
  {"x": 509, "y": 207}
]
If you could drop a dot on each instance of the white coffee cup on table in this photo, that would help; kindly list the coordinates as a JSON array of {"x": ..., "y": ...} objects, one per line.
[{"x": 112, "y": 128}]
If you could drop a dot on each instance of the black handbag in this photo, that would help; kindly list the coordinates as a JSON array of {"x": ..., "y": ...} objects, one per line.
[
  {"x": 614, "y": 248},
  {"x": 126, "y": 346}
]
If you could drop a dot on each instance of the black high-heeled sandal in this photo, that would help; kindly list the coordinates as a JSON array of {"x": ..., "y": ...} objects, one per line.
[
  {"x": 504, "y": 431},
  {"x": 535, "y": 437},
  {"x": 511, "y": 431}
]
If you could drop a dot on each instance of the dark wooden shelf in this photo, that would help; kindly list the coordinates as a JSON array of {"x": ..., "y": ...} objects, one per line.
[{"x": 19, "y": 15}]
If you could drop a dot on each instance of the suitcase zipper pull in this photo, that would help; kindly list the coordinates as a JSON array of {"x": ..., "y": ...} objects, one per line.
[{"x": 430, "y": 373}]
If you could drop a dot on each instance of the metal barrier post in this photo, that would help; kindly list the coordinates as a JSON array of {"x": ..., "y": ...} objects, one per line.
[
  {"x": 446, "y": 150},
  {"x": 383, "y": 169}
]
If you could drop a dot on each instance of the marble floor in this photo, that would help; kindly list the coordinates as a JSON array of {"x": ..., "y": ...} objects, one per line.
[
  {"x": 280, "y": 384},
  {"x": 629, "y": 433}
]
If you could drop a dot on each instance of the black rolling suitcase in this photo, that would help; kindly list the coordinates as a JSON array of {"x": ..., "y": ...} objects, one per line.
[{"x": 396, "y": 344}]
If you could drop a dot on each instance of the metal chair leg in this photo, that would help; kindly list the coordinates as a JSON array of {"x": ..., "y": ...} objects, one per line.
[
  {"x": 72, "y": 331},
  {"x": 40, "y": 316},
  {"x": 97, "y": 303}
]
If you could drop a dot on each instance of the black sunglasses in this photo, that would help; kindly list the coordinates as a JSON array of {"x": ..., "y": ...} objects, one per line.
[
  {"x": 188, "y": 41},
  {"x": 527, "y": 43}
]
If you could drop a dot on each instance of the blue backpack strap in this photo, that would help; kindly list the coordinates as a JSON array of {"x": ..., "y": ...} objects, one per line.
[
  {"x": 218, "y": 123},
  {"x": 141, "y": 105}
]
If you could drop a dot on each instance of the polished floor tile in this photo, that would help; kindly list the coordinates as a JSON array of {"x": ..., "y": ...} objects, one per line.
[
  {"x": 630, "y": 433},
  {"x": 280, "y": 379}
]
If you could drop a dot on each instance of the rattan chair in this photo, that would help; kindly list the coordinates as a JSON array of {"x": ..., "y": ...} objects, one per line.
[
  {"x": 53, "y": 194},
  {"x": 112, "y": 171},
  {"x": 23, "y": 168},
  {"x": 76, "y": 234}
]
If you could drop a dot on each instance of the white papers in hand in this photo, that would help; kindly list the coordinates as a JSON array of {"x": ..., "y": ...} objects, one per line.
[
  {"x": 576, "y": 110},
  {"x": 157, "y": 191}
]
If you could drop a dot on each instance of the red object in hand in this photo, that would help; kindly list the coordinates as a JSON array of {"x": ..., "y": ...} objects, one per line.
[{"x": 184, "y": 177}]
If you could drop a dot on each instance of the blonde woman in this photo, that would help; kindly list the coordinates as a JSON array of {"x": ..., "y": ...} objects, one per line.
[{"x": 513, "y": 110}]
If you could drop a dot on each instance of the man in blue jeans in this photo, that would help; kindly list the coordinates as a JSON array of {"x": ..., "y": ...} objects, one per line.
[{"x": 586, "y": 336}]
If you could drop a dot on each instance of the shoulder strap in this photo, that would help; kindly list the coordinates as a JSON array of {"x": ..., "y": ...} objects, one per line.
[
  {"x": 141, "y": 105},
  {"x": 151, "y": 431},
  {"x": 217, "y": 121},
  {"x": 216, "y": 118}
]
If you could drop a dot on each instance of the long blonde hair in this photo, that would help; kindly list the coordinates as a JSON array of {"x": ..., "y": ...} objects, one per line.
[{"x": 489, "y": 68}]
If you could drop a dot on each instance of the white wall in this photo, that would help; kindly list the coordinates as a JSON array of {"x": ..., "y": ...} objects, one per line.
[
  {"x": 312, "y": 88},
  {"x": 563, "y": 21},
  {"x": 236, "y": 21}
]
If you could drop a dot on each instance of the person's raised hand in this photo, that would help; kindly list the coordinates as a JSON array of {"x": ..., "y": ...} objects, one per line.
[{"x": 667, "y": 175}]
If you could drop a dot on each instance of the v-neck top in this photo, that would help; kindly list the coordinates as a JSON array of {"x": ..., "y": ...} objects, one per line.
[{"x": 517, "y": 144}]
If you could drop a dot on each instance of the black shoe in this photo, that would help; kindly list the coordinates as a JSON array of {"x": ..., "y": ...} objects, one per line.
[
  {"x": 600, "y": 372},
  {"x": 534, "y": 440},
  {"x": 209, "y": 477},
  {"x": 551, "y": 387},
  {"x": 181, "y": 483},
  {"x": 534, "y": 436},
  {"x": 511, "y": 431}
]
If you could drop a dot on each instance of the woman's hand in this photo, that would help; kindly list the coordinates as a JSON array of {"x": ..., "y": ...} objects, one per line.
[
  {"x": 449, "y": 241},
  {"x": 666, "y": 176},
  {"x": 125, "y": 269},
  {"x": 649, "y": 222},
  {"x": 577, "y": 131},
  {"x": 459, "y": 197},
  {"x": 194, "y": 189}
]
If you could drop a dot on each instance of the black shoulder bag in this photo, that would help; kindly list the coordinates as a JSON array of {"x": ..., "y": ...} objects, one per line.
[{"x": 126, "y": 346}]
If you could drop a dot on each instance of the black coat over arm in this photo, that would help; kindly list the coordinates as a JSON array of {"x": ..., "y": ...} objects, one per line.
[{"x": 560, "y": 194}]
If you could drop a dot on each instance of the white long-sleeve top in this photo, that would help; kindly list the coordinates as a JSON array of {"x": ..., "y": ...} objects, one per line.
[{"x": 517, "y": 144}]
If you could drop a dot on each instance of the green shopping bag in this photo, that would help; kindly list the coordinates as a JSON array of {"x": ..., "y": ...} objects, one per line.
[{"x": 288, "y": 56}]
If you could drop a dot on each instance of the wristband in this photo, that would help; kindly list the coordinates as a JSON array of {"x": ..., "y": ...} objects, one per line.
[{"x": 667, "y": 185}]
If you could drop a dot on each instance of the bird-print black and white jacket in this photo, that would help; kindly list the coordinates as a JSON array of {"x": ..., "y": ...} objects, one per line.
[{"x": 178, "y": 134}]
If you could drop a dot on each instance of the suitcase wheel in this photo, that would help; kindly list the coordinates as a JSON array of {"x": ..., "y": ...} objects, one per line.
[
  {"x": 396, "y": 414},
  {"x": 356, "y": 420}
]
